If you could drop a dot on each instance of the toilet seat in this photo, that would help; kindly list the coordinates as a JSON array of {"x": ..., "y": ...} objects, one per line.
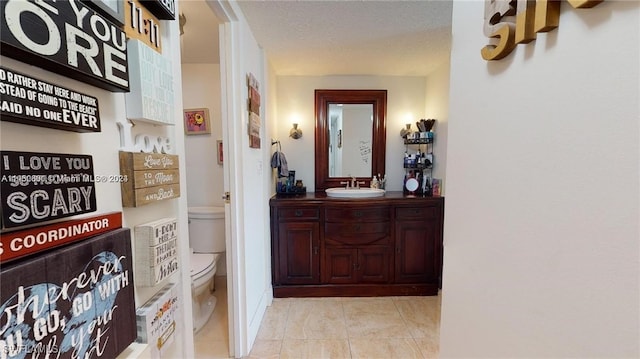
[{"x": 201, "y": 264}]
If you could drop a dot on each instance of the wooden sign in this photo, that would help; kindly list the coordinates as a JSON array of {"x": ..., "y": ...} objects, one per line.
[
  {"x": 162, "y": 9},
  {"x": 155, "y": 177},
  {"x": 151, "y": 95},
  {"x": 38, "y": 187},
  {"x": 156, "y": 251},
  {"x": 156, "y": 232},
  {"x": 140, "y": 24},
  {"x": 18, "y": 244},
  {"x": 68, "y": 38},
  {"x": 35, "y": 102},
  {"x": 156, "y": 320},
  {"x": 74, "y": 302}
]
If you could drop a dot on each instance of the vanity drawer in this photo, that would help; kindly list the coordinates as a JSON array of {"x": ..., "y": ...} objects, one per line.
[
  {"x": 357, "y": 233},
  {"x": 412, "y": 213},
  {"x": 298, "y": 213},
  {"x": 368, "y": 214}
]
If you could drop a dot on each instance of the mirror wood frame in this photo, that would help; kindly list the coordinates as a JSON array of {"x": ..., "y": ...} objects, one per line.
[{"x": 378, "y": 98}]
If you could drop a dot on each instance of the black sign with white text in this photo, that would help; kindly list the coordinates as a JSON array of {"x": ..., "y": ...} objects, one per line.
[
  {"x": 37, "y": 187},
  {"x": 74, "y": 302},
  {"x": 65, "y": 37},
  {"x": 162, "y": 9},
  {"x": 30, "y": 101}
]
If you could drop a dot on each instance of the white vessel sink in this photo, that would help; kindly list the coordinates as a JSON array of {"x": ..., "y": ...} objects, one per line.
[{"x": 342, "y": 192}]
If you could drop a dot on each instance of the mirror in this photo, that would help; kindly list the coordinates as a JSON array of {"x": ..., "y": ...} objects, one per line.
[
  {"x": 350, "y": 136},
  {"x": 350, "y": 139}
]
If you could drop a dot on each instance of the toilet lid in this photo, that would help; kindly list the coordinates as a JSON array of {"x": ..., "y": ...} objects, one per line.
[{"x": 202, "y": 263}]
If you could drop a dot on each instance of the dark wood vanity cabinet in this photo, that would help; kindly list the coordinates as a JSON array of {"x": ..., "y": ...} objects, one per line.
[
  {"x": 299, "y": 231},
  {"x": 418, "y": 245},
  {"x": 356, "y": 247}
]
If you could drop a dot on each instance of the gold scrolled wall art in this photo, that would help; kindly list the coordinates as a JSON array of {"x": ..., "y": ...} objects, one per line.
[{"x": 530, "y": 16}]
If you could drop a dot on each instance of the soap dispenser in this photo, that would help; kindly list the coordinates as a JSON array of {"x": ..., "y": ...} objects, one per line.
[{"x": 374, "y": 182}]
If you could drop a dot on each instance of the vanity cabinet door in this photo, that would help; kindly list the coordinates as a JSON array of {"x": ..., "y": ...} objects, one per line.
[
  {"x": 417, "y": 251},
  {"x": 374, "y": 264},
  {"x": 339, "y": 265},
  {"x": 298, "y": 248},
  {"x": 344, "y": 265}
]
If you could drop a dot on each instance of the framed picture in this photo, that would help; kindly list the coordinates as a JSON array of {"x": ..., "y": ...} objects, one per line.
[
  {"x": 112, "y": 9},
  {"x": 220, "y": 153},
  {"x": 196, "y": 121}
]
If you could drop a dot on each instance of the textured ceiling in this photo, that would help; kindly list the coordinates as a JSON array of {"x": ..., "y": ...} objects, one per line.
[{"x": 367, "y": 37}]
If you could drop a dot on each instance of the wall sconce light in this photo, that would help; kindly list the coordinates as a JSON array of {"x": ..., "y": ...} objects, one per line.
[{"x": 295, "y": 132}]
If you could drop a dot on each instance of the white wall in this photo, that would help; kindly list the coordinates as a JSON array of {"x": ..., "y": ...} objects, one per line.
[
  {"x": 205, "y": 181},
  {"x": 201, "y": 88},
  {"x": 541, "y": 254},
  {"x": 104, "y": 147},
  {"x": 295, "y": 101}
]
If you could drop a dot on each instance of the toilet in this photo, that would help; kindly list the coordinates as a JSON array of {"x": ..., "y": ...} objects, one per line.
[{"x": 207, "y": 242}]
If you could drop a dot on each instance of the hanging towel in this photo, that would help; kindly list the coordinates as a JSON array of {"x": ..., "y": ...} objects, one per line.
[{"x": 279, "y": 161}]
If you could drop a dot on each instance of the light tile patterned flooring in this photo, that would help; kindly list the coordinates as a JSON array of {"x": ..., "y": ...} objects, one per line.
[{"x": 354, "y": 327}]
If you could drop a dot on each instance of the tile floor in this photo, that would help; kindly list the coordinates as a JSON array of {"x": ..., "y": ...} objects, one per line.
[{"x": 355, "y": 327}]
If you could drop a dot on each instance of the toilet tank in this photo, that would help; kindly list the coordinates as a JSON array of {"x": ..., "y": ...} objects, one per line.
[{"x": 206, "y": 229}]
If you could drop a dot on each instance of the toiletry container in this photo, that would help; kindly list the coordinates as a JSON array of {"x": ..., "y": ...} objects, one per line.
[{"x": 207, "y": 242}]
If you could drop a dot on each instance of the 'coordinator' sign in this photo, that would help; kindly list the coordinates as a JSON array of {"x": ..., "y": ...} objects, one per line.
[{"x": 30, "y": 101}]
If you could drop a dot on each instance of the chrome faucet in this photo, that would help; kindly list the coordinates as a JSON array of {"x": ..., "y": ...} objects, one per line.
[
  {"x": 354, "y": 182},
  {"x": 346, "y": 183}
]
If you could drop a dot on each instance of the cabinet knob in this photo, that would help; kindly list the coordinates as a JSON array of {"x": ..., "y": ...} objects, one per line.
[
  {"x": 298, "y": 213},
  {"x": 357, "y": 227},
  {"x": 357, "y": 213}
]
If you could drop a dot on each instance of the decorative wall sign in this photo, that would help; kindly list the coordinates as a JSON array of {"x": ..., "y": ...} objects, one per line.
[
  {"x": 142, "y": 143},
  {"x": 68, "y": 38},
  {"x": 220, "y": 152},
  {"x": 30, "y": 101},
  {"x": 111, "y": 9},
  {"x": 38, "y": 187},
  {"x": 515, "y": 22},
  {"x": 74, "y": 302},
  {"x": 197, "y": 121},
  {"x": 156, "y": 251},
  {"x": 18, "y": 244},
  {"x": 152, "y": 177},
  {"x": 254, "y": 111},
  {"x": 140, "y": 24},
  {"x": 151, "y": 96},
  {"x": 156, "y": 319},
  {"x": 162, "y": 9}
]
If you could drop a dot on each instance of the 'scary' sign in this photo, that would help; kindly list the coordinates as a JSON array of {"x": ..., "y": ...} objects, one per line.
[
  {"x": 68, "y": 38},
  {"x": 38, "y": 187}
]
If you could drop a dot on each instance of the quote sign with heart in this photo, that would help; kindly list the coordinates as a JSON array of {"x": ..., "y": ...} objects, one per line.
[{"x": 74, "y": 302}]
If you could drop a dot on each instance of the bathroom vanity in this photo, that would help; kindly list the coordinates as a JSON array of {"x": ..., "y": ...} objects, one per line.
[{"x": 390, "y": 245}]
